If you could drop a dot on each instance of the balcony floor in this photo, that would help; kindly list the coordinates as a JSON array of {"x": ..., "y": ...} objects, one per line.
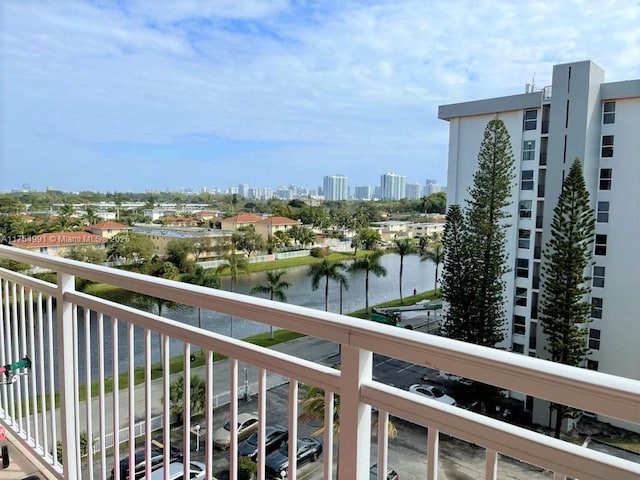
[{"x": 21, "y": 464}]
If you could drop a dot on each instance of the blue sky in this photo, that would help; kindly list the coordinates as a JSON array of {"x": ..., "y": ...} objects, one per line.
[{"x": 121, "y": 95}]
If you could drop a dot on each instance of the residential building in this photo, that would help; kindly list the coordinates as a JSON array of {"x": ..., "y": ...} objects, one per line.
[
  {"x": 240, "y": 220},
  {"x": 362, "y": 193},
  {"x": 578, "y": 115},
  {"x": 417, "y": 230},
  {"x": 413, "y": 191},
  {"x": 243, "y": 190},
  {"x": 107, "y": 229},
  {"x": 335, "y": 187},
  {"x": 392, "y": 186},
  {"x": 162, "y": 235},
  {"x": 270, "y": 225}
]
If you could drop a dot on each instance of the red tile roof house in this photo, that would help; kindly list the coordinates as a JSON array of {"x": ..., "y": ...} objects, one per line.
[
  {"x": 270, "y": 225},
  {"x": 264, "y": 226},
  {"x": 107, "y": 229},
  {"x": 59, "y": 243},
  {"x": 239, "y": 221}
]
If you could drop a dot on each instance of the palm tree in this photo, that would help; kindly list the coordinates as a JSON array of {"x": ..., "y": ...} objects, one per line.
[
  {"x": 197, "y": 400},
  {"x": 312, "y": 408},
  {"x": 435, "y": 254},
  {"x": 235, "y": 264},
  {"x": 328, "y": 270},
  {"x": 344, "y": 285},
  {"x": 203, "y": 278},
  {"x": 90, "y": 216},
  {"x": 275, "y": 287},
  {"x": 403, "y": 247},
  {"x": 369, "y": 263}
]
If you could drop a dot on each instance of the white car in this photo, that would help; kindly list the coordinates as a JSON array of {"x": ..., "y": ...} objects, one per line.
[
  {"x": 196, "y": 471},
  {"x": 247, "y": 424},
  {"x": 432, "y": 392}
]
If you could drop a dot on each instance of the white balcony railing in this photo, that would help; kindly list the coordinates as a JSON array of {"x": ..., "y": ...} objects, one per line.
[{"x": 88, "y": 338}]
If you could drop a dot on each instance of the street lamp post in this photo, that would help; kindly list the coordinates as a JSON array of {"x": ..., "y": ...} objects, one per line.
[{"x": 197, "y": 437}]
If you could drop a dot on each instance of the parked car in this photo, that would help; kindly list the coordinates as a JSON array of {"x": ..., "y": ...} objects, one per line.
[
  {"x": 140, "y": 462},
  {"x": 433, "y": 392},
  {"x": 275, "y": 437},
  {"x": 247, "y": 424},
  {"x": 391, "y": 473},
  {"x": 308, "y": 450},
  {"x": 196, "y": 471}
]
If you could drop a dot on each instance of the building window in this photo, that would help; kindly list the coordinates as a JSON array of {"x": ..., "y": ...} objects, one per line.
[
  {"x": 518, "y": 348},
  {"x": 605, "y": 178},
  {"x": 525, "y": 208},
  {"x": 592, "y": 365},
  {"x": 526, "y": 183},
  {"x": 530, "y": 119},
  {"x": 594, "y": 339},
  {"x": 528, "y": 150},
  {"x": 607, "y": 146},
  {"x": 596, "y": 307},
  {"x": 521, "y": 296},
  {"x": 603, "y": 212},
  {"x": 522, "y": 267},
  {"x": 601, "y": 245},
  {"x": 609, "y": 112},
  {"x": 524, "y": 238},
  {"x": 519, "y": 324},
  {"x": 598, "y": 276}
]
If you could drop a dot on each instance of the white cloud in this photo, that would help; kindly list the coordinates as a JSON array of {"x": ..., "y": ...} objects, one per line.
[{"x": 333, "y": 83}]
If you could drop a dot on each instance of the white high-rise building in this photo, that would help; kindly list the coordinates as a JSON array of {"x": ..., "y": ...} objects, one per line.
[
  {"x": 578, "y": 115},
  {"x": 243, "y": 190},
  {"x": 413, "y": 191},
  {"x": 392, "y": 186},
  {"x": 335, "y": 187},
  {"x": 362, "y": 192}
]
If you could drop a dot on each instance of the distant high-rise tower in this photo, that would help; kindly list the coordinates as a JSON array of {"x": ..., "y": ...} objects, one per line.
[
  {"x": 363, "y": 193},
  {"x": 335, "y": 187},
  {"x": 392, "y": 186},
  {"x": 414, "y": 191},
  {"x": 243, "y": 190}
]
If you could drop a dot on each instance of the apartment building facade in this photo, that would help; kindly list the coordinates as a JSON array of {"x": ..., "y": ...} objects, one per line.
[
  {"x": 578, "y": 115},
  {"x": 335, "y": 187},
  {"x": 392, "y": 186}
]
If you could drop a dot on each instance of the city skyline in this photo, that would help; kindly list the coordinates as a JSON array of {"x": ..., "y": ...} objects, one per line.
[{"x": 138, "y": 95}]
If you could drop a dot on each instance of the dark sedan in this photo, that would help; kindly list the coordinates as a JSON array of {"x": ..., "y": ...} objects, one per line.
[
  {"x": 277, "y": 463},
  {"x": 275, "y": 437}
]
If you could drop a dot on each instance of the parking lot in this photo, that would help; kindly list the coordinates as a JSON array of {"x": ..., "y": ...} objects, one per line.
[{"x": 407, "y": 452}]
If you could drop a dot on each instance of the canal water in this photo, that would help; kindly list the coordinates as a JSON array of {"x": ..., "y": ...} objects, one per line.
[{"x": 416, "y": 275}]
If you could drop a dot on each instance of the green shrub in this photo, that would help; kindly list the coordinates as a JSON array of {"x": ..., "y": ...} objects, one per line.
[
  {"x": 246, "y": 468},
  {"x": 319, "y": 252}
]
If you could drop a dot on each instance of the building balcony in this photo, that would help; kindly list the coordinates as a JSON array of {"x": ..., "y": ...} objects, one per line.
[{"x": 72, "y": 340}]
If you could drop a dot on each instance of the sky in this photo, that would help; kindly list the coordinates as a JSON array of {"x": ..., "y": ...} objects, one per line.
[{"x": 130, "y": 95}]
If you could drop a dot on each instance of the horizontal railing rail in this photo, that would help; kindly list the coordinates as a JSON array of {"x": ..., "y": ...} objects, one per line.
[{"x": 587, "y": 390}]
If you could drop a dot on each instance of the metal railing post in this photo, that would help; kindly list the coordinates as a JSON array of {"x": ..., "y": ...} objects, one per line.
[
  {"x": 69, "y": 428},
  {"x": 355, "y": 417}
]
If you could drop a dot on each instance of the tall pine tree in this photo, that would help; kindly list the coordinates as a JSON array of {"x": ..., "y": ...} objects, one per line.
[
  {"x": 476, "y": 299},
  {"x": 565, "y": 283},
  {"x": 454, "y": 281},
  {"x": 489, "y": 196}
]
